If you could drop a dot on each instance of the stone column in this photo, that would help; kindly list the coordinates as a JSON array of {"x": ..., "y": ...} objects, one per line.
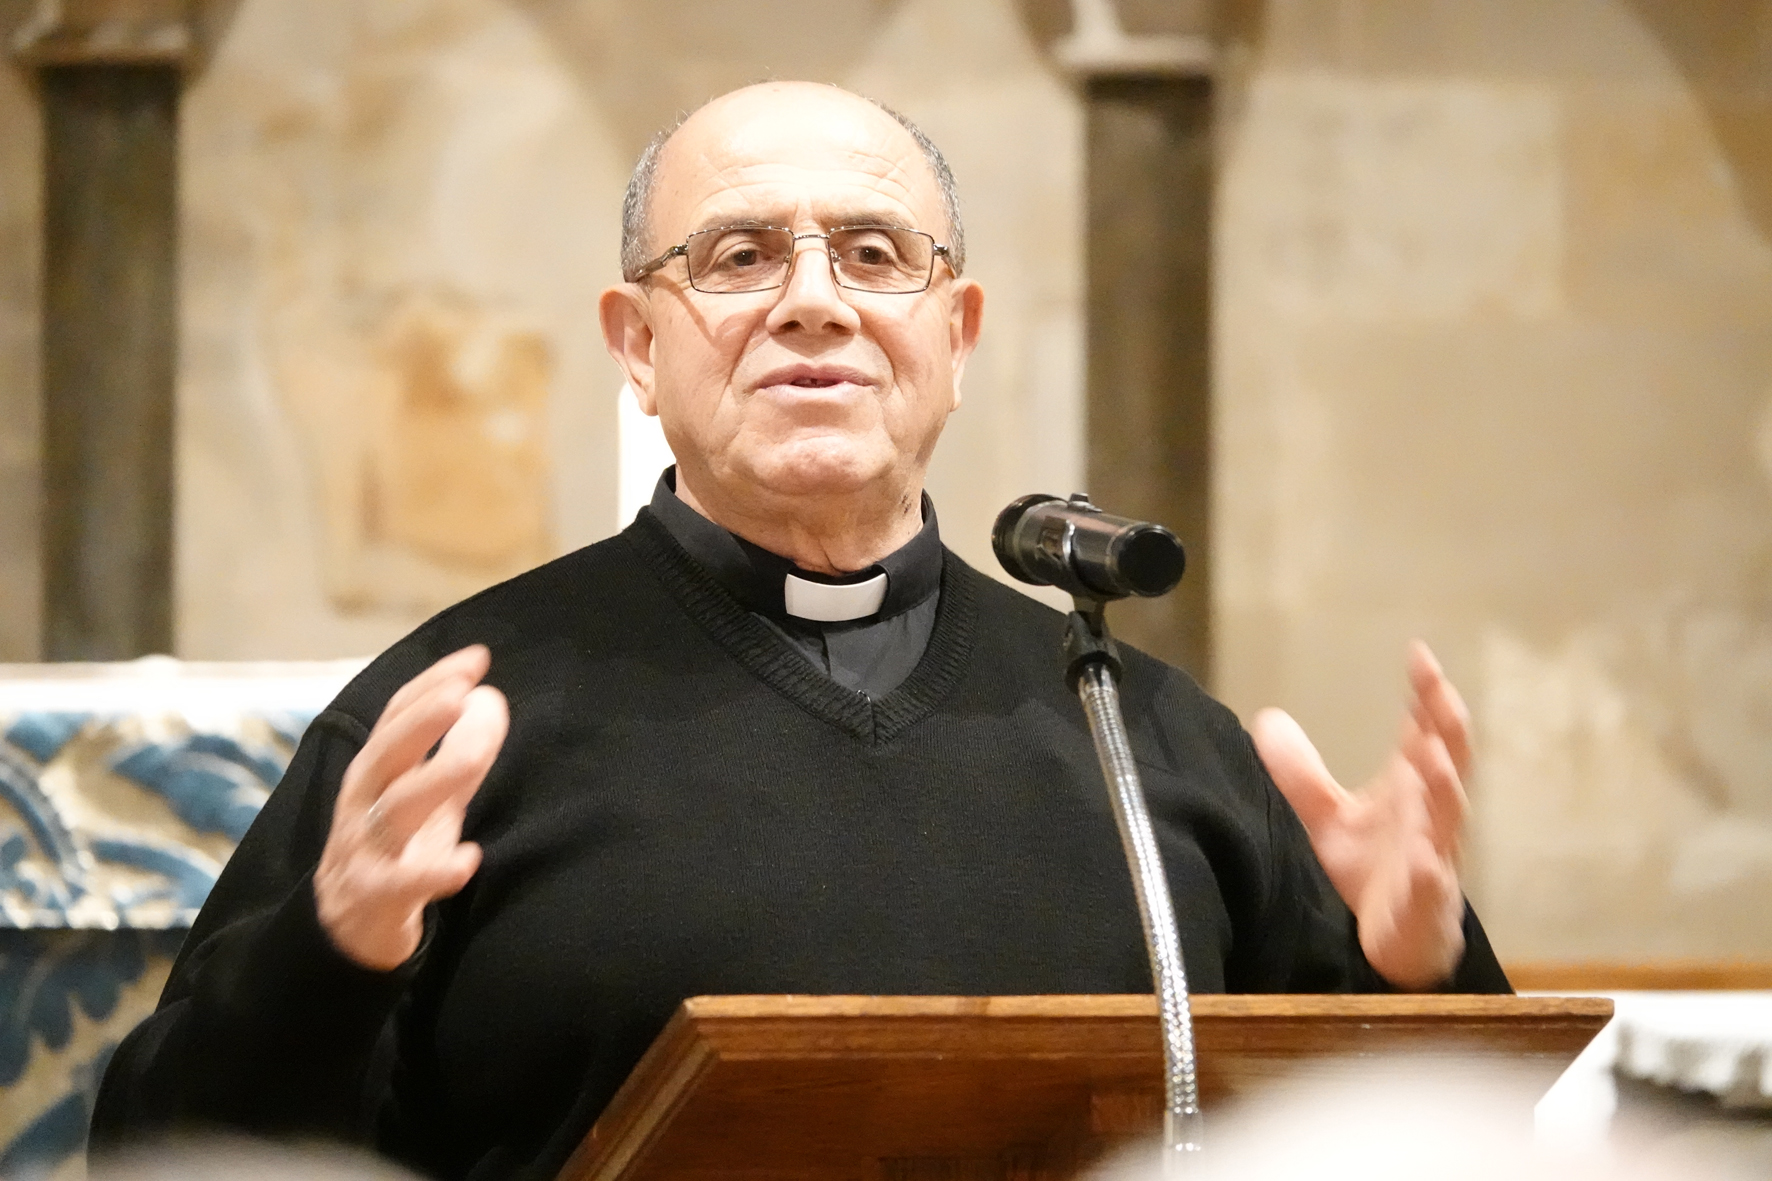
[
  {"x": 109, "y": 76},
  {"x": 1146, "y": 74}
]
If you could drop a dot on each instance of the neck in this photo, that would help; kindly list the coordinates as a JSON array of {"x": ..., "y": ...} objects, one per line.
[{"x": 825, "y": 534}]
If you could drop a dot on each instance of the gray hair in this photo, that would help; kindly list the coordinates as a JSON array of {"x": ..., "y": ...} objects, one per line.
[{"x": 636, "y": 204}]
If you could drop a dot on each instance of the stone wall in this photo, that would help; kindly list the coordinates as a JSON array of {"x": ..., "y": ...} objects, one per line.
[
  {"x": 1495, "y": 368},
  {"x": 398, "y": 219}
]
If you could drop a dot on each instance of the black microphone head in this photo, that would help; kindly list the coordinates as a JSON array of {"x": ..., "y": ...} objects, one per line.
[
  {"x": 1071, "y": 544},
  {"x": 1150, "y": 561}
]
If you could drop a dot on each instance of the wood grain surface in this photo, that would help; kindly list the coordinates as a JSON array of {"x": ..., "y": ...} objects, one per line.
[{"x": 871, "y": 1088}]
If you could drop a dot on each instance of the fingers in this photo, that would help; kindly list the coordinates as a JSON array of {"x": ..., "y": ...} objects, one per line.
[
  {"x": 449, "y": 778},
  {"x": 395, "y": 844},
  {"x": 420, "y": 713},
  {"x": 470, "y": 662},
  {"x": 1442, "y": 795},
  {"x": 1437, "y": 706},
  {"x": 1436, "y": 742},
  {"x": 1412, "y": 929},
  {"x": 1296, "y": 767},
  {"x": 435, "y": 862},
  {"x": 1410, "y": 907},
  {"x": 372, "y": 905}
]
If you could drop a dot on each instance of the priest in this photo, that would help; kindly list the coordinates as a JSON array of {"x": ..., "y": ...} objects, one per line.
[{"x": 771, "y": 738}]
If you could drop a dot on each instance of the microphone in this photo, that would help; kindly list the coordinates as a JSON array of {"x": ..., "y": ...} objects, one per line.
[{"x": 1076, "y": 547}]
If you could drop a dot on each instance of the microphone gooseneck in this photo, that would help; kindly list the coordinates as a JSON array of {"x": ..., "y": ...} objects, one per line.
[
  {"x": 1098, "y": 558},
  {"x": 1071, "y": 544}
]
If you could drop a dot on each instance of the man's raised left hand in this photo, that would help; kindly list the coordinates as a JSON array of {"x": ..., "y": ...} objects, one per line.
[{"x": 1391, "y": 850}]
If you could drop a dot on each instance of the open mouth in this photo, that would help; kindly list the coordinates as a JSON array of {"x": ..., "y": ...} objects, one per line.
[{"x": 813, "y": 377}]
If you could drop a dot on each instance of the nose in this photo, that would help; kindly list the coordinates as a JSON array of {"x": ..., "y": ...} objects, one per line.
[{"x": 811, "y": 301}]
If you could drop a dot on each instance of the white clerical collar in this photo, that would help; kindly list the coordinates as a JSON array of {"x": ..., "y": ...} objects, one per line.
[{"x": 826, "y": 602}]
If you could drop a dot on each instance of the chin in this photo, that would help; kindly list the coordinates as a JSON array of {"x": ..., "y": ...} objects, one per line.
[{"x": 819, "y": 470}]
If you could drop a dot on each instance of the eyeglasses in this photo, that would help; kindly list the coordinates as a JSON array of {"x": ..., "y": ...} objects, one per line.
[{"x": 729, "y": 260}]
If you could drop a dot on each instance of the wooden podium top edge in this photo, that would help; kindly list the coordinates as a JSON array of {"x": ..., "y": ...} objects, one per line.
[
  {"x": 727, "y": 1053},
  {"x": 1386, "y": 1006}
]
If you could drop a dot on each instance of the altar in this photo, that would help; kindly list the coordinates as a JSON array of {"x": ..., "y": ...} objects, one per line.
[{"x": 123, "y": 790}]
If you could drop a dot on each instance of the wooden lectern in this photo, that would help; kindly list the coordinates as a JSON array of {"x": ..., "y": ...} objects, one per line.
[{"x": 799, "y": 1088}]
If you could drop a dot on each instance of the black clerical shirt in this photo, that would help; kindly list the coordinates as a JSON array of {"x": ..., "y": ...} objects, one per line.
[{"x": 872, "y": 654}]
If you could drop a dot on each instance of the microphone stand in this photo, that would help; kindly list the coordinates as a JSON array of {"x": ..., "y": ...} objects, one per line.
[{"x": 1092, "y": 669}]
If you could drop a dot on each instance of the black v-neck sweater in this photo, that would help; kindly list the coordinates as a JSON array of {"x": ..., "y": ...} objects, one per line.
[{"x": 684, "y": 806}]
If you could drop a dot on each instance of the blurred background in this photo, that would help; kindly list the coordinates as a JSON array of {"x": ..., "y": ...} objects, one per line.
[{"x": 1413, "y": 317}]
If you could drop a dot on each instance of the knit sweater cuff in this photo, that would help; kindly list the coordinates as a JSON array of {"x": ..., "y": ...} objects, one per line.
[{"x": 292, "y": 989}]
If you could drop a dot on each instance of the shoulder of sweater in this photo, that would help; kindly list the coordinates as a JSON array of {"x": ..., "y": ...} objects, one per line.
[
  {"x": 1179, "y": 702},
  {"x": 1169, "y": 694},
  {"x": 1008, "y": 608},
  {"x": 536, "y": 607}
]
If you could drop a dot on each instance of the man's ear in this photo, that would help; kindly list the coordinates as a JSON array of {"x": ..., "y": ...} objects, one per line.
[
  {"x": 627, "y": 334},
  {"x": 965, "y": 321}
]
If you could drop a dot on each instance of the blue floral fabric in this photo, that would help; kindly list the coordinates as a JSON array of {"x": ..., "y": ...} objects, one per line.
[
  {"x": 112, "y": 831},
  {"x": 70, "y": 995}
]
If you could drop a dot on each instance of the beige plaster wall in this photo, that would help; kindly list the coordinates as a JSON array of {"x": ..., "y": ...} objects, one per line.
[
  {"x": 1494, "y": 335},
  {"x": 395, "y": 228},
  {"x": 398, "y": 217}
]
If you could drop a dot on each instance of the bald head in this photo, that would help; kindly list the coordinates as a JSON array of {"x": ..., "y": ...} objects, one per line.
[{"x": 783, "y": 110}]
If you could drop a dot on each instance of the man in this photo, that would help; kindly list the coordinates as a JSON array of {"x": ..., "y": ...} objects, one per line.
[{"x": 772, "y": 738}]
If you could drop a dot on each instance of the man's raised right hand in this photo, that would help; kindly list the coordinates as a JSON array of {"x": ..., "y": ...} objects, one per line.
[{"x": 395, "y": 844}]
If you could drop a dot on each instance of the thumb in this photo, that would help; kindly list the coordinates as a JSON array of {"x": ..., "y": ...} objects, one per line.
[{"x": 1296, "y": 767}]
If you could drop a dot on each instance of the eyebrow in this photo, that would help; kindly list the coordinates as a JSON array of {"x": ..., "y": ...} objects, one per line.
[
  {"x": 870, "y": 218},
  {"x": 737, "y": 223},
  {"x": 853, "y": 217}
]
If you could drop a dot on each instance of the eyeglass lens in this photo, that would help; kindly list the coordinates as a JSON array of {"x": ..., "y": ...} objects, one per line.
[{"x": 868, "y": 258}]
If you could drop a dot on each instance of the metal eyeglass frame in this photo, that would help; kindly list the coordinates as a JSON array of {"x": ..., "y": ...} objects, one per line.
[{"x": 937, "y": 251}]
